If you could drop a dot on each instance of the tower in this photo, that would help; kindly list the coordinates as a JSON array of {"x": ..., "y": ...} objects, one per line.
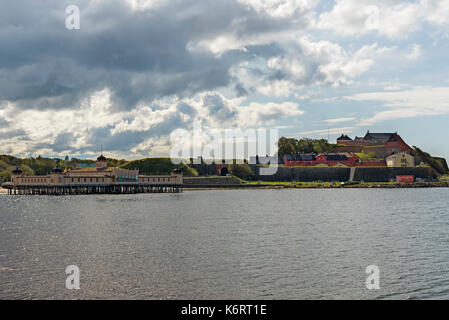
[
  {"x": 102, "y": 162},
  {"x": 17, "y": 172}
]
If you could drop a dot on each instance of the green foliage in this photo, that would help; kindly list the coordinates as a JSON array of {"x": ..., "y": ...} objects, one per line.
[
  {"x": 5, "y": 171},
  {"x": 187, "y": 171},
  {"x": 116, "y": 162},
  {"x": 75, "y": 163},
  {"x": 9, "y": 163},
  {"x": 351, "y": 183},
  {"x": 8, "y": 160},
  {"x": 438, "y": 165},
  {"x": 40, "y": 166},
  {"x": 321, "y": 145},
  {"x": 27, "y": 171},
  {"x": 286, "y": 146},
  {"x": 242, "y": 171},
  {"x": 367, "y": 156},
  {"x": 304, "y": 145},
  {"x": 158, "y": 166}
]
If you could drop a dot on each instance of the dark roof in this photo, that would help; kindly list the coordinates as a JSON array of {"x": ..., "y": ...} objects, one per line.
[
  {"x": 380, "y": 136},
  {"x": 300, "y": 157},
  {"x": 57, "y": 170},
  {"x": 336, "y": 157},
  {"x": 101, "y": 158},
  {"x": 344, "y": 137},
  {"x": 17, "y": 170}
]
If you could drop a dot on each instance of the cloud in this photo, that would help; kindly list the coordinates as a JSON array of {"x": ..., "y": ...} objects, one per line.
[
  {"x": 409, "y": 103},
  {"x": 281, "y": 8},
  {"x": 139, "y": 50},
  {"x": 415, "y": 52},
  {"x": 325, "y": 132},
  {"x": 316, "y": 63},
  {"x": 142, "y": 130},
  {"x": 339, "y": 120},
  {"x": 137, "y": 69},
  {"x": 393, "y": 19}
]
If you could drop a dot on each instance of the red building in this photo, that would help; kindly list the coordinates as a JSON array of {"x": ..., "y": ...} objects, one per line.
[
  {"x": 329, "y": 159},
  {"x": 405, "y": 179},
  {"x": 392, "y": 142}
]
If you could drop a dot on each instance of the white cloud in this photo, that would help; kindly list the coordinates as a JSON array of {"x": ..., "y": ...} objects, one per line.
[
  {"x": 415, "y": 52},
  {"x": 310, "y": 63},
  {"x": 339, "y": 120},
  {"x": 392, "y": 87},
  {"x": 280, "y": 8},
  {"x": 394, "y": 19},
  {"x": 212, "y": 108},
  {"x": 325, "y": 132},
  {"x": 415, "y": 102},
  {"x": 140, "y": 5}
]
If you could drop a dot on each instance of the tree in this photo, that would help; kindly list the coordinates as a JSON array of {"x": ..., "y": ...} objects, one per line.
[
  {"x": 321, "y": 145},
  {"x": 243, "y": 171},
  {"x": 286, "y": 146},
  {"x": 305, "y": 145}
]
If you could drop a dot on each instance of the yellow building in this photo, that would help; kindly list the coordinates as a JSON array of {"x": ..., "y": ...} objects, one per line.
[
  {"x": 101, "y": 179},
  {"x": 401, "y": 159}
]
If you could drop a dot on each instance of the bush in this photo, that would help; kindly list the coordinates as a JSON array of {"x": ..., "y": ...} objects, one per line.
[
  {"x": 158, "y": 166},
  {"x": 242, "y": 171}
]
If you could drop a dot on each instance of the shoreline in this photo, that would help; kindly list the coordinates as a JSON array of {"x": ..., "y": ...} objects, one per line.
[
  {"x": 321, "y": 186},
  {"x": 283, "y": 186}
]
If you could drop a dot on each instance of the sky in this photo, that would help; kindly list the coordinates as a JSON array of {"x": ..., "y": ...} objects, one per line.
[{"x": 135, "y": 70}]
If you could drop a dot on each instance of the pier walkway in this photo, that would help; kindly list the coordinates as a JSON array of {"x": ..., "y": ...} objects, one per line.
[{"x": 91, "y": 189}]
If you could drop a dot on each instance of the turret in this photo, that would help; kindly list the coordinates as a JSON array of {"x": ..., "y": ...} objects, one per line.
[
  {"x": 177, "y": 173},
  {"x": 102, "y": 162},
  {"x": 17, "y": 172},
  {"x": 57, "y": 175}
]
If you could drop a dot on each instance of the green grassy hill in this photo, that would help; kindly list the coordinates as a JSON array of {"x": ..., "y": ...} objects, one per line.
[
  {"x": 158, "y": 166},
  {"x": 438, "y": 165},
  {"x": 9, "y": 163}
]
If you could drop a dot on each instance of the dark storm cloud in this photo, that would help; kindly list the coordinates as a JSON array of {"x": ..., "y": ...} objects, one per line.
[
  {"x": 139, "y": 55},
  {"x": 218, "y": 109},
  {"x": 186, "y": 108},
  {"x": 240, "y": 90},
  {"x": 123, "y": 141},
  {"x": 15, "y": 133},
  {"x": 3, "y": 123}
]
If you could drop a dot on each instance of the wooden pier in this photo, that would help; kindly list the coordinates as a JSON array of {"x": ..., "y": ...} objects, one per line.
[
  {"x": 99, "y": 180},
  {"x": 92, "y": 189}
]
